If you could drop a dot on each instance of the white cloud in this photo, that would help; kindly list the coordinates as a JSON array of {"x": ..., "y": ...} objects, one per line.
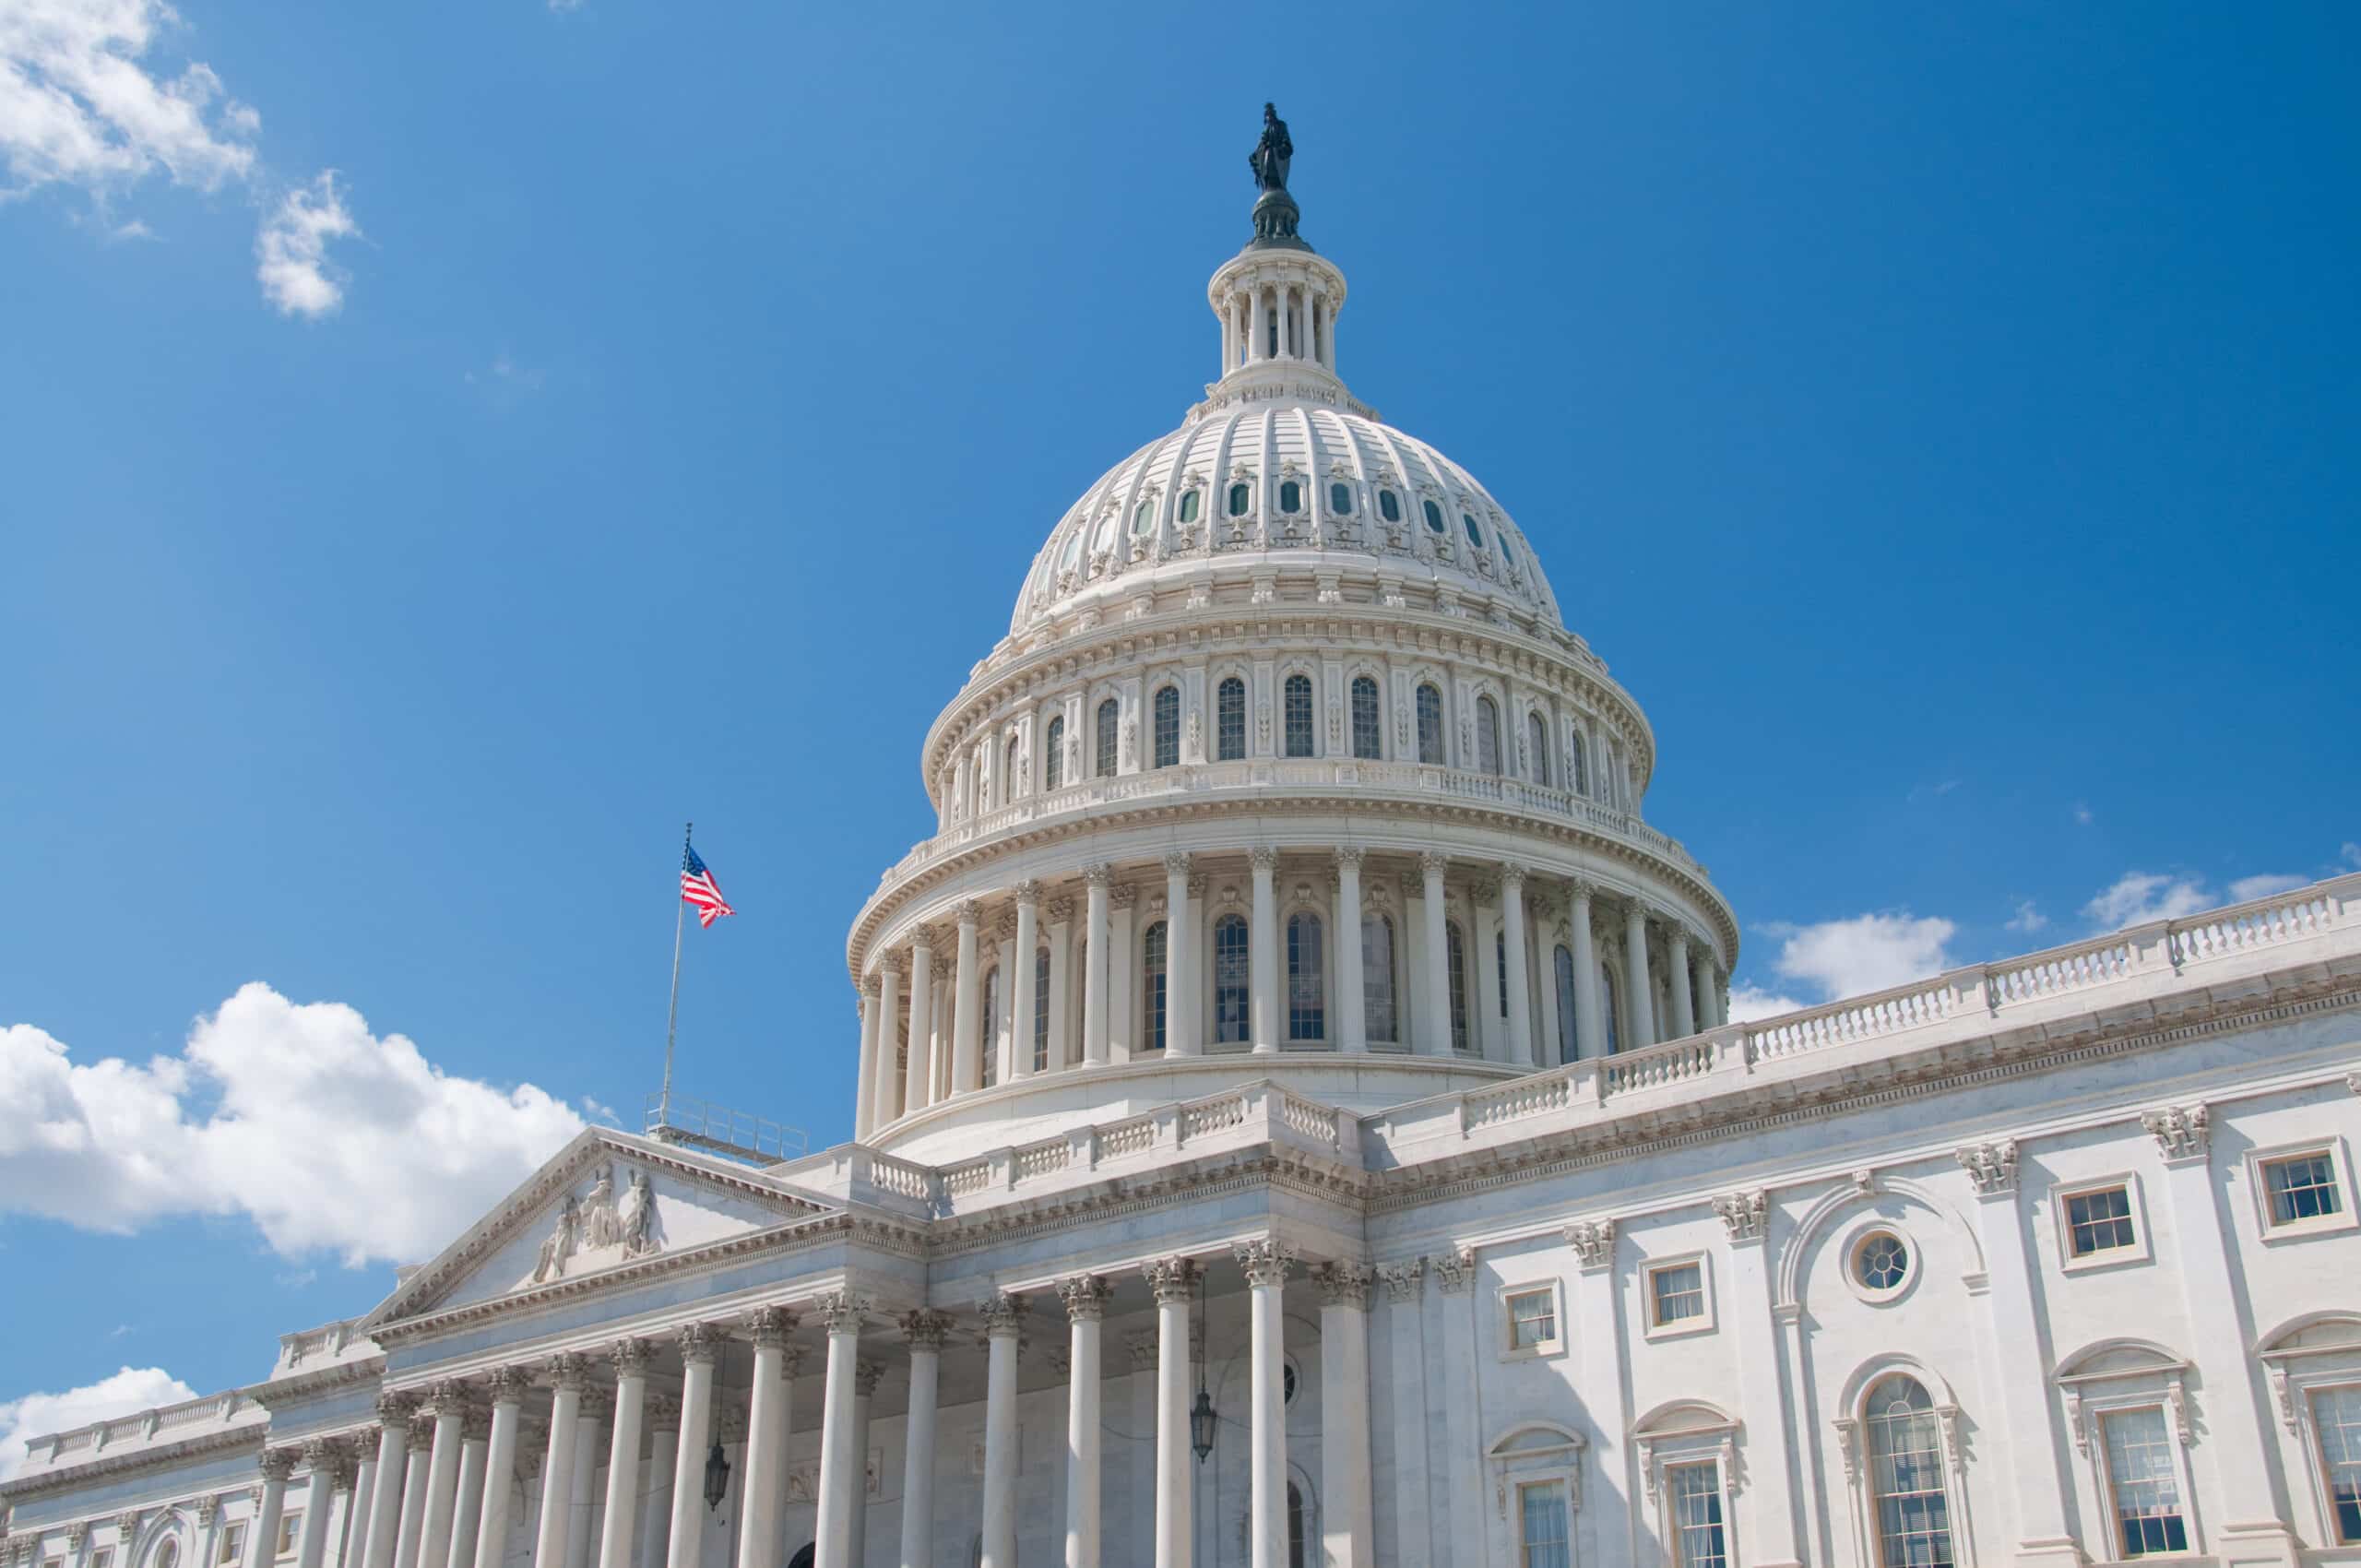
[
  {"x": 2082, "y": 817},
  {"x": 326, "y": 1136},
  {"x": 2263, "y": 887},
  {"x": 599, "y": 1111},
  {"x": 292, "y": 249},
  {"x": 1866, "y": 953},
  {"x": 1748, "y": 1003},
  {"x": 2027, "y": 918},
  {"x": 85, "y": 105},
  {"x": 133, "y": 1388},
  {"x": 2138, "y": 896}
]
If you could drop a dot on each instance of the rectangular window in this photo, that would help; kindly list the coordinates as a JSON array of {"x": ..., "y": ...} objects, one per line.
[
  {"x": 1675, "y": 1294},
  {"x": 2301, "y": 1187},
  {"x": 2140, "y": 1479},
  {"x": 1041, "y": 1010},
  {"x": 101, "y": 1556},
  {"x": 2098, "y": 1221},
  {"x": 2336, "y": 1420},
  {"x": 1541, "y": 1508},
  {"x": 1696, "y": 1491},
  {"x": 1533, "y": 1319},
  {"x": 291, "y": 1531},
  {"x": 233, "y": 1543}
]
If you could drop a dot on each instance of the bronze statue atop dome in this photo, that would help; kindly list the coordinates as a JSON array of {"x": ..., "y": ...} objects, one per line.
[
  {"x": 1275, "y": 214},
  {"x": 1272, "y": 153}
]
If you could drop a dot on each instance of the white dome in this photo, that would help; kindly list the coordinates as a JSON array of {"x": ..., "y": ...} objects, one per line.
[{"x": 1138, "y": 524}]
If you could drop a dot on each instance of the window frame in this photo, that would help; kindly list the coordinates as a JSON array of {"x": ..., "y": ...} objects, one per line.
[
  {"x": 1389, "y": 504},
  {"x": 2316, "y": 1353},
  {"x": 1235, "y": 505},
  {"x": 1536, "y": 734},
  {"x": 1507, "y": 1295},
  {"x": 2061, "y": 1198},
  {"x": 1488, "y": 735},
  {"x": 1538, "y": 1453},
  {"x": 2103, "y": 1467},
  {"x": 2323, "y": 1478},
  {"x": 1314, "y": 975},
  {"x": 1343, "y": 508},
  {"x": 1245, "y": 990},
  {"x": 1457, "y": 1004},
  {"x": 2258, "y": 1162},
  {"x": 1915, "y": 1260},
  {"x": 1223, "y": 729},
  {"x": 1164, "y": 726},
  {"x": 1375, "y": 731},
  {"x": 1440, "y": 732},
  {"x": 1155, "y": 986},
  {"x": 1054, "y": 754},
  {"x": 1374, "y": 974},
  {"x": 1678, "y": 1328},
  {"x": 1295, "y": 683},
  {"x": 1107, "y": 737},
  {"x": 1559, "y": 1484},
  {"x": 233, "y": 1542},
  {"x": 1290, "y": 506}
]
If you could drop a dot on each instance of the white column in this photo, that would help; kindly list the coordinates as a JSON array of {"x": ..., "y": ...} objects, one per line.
[
  {"x": 394, "y": 1411},
  {"x": 1122, "y": 970},
  {"x": 1406, "y": 1375},
  {"x": 1768, "y": 1470},
  {"x": 1004, "y": 1318},
  {"x": 1174, "y": 1282},
  {"x": 1256, "y": 335},
  {"x": 767, "y": 1428},
  {"x": 999, "y": 1029},
  {"x": 1684, "y": 1008},
  {"x": 864, "y": 1101},
  {"x": 1590, "y": 1028},
  {"x": 1264, "y": 1026},
  {"x": 967, "y": 1070},
  {"x": 1061, "y": 917},
  {"x": 925, "y": 1330},
  {"x": 663, "y": 1468},
  {"x": 277, "y": 1464},
  {"x": 622, "y": 1452},
  {"x": 1020, "y": 1030},
  {"x": 508, "y": 1386},
  {"x": 887, "y": 1099},
  {"x": 1352, "y": 1024},
  {"x": 1093, "y": 970},
  {"x": 467, "y": 1518},
  {"x": 840, "y": 1468},
  {"x": 414, "y": 1516},
  {"x": 1346, "y": 1513},
  {"x": 1268, "y": 1263},
  {"x": 1085, "y": 1300},
  {"x": 918, "y": 1093},
  {"x": 1520, "y": 997},
  {"x": 1438, "y": 987},
  {"x": 1640, "y": 1002},
  {"x": 1545, "y": 988},
  {"x": 866, "y": 1376},
  {"x": 700, "y": 1344},
  {"x": 442, "y": 1474},
  {"x": 1179, "y": 960},
  {"x": 319, "y": 1499},
  {"x": 570, "y": 1372},
  {"x": 590, "y": 1425}
]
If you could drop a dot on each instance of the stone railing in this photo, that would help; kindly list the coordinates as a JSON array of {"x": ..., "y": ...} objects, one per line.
[
  {"x": 1978, "y": 999},
  {"x": 1408, "y": 782},
  {"x": 141, "y": 1426}
]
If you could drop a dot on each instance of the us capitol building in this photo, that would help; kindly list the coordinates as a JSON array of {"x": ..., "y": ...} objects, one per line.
[{"x": 1300, "y": 1122}]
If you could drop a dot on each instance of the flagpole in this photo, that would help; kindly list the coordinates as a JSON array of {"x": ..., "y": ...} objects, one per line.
[{"x": 673, "y": 1018}]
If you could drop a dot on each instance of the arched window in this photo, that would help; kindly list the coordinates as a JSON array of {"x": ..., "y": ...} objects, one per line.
[
  {"x": 1562, "y": 965},
  {"x": 1144, "y": 517},
  {"x": 1295, "y": 1526},
  {"x": 1340, "y": 499},
  {"x": 1168, "y": 725},
  {"x": 1474, "y": 534},
  {"x": 1109, "y": 713},
  {"x": 803, "y": 1558},
  {"x": 1298, "y": 695},
  {"x": 1377, "y": 976},
  {"x": 988, "y": 1041},
  {"x": 1152, "y": 974},
  {"x": 1230, "y": 976},
  {"x": 1580, "y": 779},
  {"x": 1053, "y": 760},
  {"x": 1537, "y": 739},
  {"x": 167, "y": 1553},
  {"x": 1434, "y": 518},
  {"x": 1366, "y": 727},
  {"x": 1306, "y": 984},
  {"x": 1609, "y": 1006},
  {"x": 1487, "y": 736},
  {"x": 1500, "y": 957},
  {"x": 1008, "y": 779},
  {"x": 1229, "y": 721},
  {"x": 1913, "y": 1514},
  {"x": 1040, "y": 1019},
  {"x": 1241, "y": 499},
  {"x": 1189, "y": 504},
  {"x": 1388, "y": 506},
  {"x": 1290, "y": 496},
  {"x": 1456, "y": 950},
  {"x": 1430, "y": 726}
]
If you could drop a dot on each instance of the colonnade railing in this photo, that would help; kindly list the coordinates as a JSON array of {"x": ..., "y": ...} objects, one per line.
[{"x": 1402, "y": 780}]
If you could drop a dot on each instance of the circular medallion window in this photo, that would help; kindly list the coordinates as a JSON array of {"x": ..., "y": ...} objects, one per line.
[{"x": 1880, "y": 1265}]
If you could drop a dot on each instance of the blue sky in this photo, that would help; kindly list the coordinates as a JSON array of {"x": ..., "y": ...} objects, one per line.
[{"x": 443, "y": 448}]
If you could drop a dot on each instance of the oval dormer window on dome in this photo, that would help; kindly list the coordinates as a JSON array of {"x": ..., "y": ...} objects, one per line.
[
  {"x": 1144, "y": 517},
  {"x": 1241, "y": 499},
  {"x": 1434, "y": 518},
  {"x": 1105, "y": 538},
  {"x": 1290, "y": 496},
  {"x": 1073, "y": 551},
  {"x": 1188, "y": 506},
  {"x": 1474, "y": 534},
  {"x": 1340, "y": 499},
  {"x": 1389, "y": 505}
]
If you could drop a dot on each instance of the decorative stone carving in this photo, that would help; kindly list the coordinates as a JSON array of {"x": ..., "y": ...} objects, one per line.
[
  {"x": 1404, "y": 1281},
  {"x": 1122, "y": 895},
  {"x": 276, "y": 1464},
  {"x": 208, "y": 1508},
  {"x": 1144, "y": 1345},
  {"x": 925, "y": 1328},
  {"x": 700, "y": 1342},
  {"x": 1344, "y": 1284},
  {"x": 1350, "y": 855},
  {"x": 570, "y": 1369},
  {"x": 970, "y": 911},
  {"x": 1993, "y": 1167},
  {"x": 1029, "y": 894},
  {"x": 1084, "y": 1296},
  {"x": 866, "y": 1376},
  {"x": 1263, "y": 857},
  {"x": 2182, "y": 1131},
  {"x": 509, "y": 1385},
  {"x": 1743, "y": 1213},
  {"x": 841, "y": 1311},
  {"x": 395, "y": 1406},
  {"x": 1593, "y": 1242},
  {"x": 662, "y": 1411},
  {"x": 1172, "y": 1279},
  {"x": 1097, "y": 874},
  {"x": 565, "y": 1233},
  {"x": 1265, "y": 1262},
  {"x": 1434, "y": 862},
  {"x": 1454, "y": 1271},
  {"x": 631, "y": 1356},
  {"x": 1058, "y": 911},
  {"x": 1004, "y": 1314}
]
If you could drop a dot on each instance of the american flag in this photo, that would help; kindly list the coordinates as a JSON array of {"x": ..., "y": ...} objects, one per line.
[{"x": 698, "y": 887}]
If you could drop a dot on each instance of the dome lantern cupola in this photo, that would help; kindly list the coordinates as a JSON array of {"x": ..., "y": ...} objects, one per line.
[{"x": 1277, "y": 300}]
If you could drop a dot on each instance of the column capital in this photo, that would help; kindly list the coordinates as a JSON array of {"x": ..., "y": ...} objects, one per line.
[
  {"x": 1485, "y": 889},
  {"x": 1512, "y": 876},
  {"x": 1581, "y": 889},
  {"x": 1029, "y": 894},
  {"x": 1593, "y": 1242},
  {"x": 1455, "y": 1270},
  {"x": 1084, "y": 1296},
  {"x": 1004, "y": 925},
  {"x": 866, "y": 1375},
  {"x": 699, "y": 1342},
  {"x": 1404, "y": 1281},
  {"x": 421, "y": 1431},
  {"x": 1098, "y": 874},
  {"x": 942, "y": 969},
  {"x": 570, "y": 1369},
  {"x": 1177, "y": 863},
  {"x": 1638, "y": 911},
  {"x": 662, "y": 1411},
  {"x": 1266, "y": 1261},
  {"x": 970, "y": 911},
  {"x": 1991, "y": 1168},
  {"x": 770, "y": 1327},
  {"x": 2182, "y": 1131},
  {"x": 921, "y": 940},
  {"x": 842, "y": 1312},
  {"x": 1349, "y": 857},
  {"x": 1172, "y": 1279},
  {"x": 396, "y": 1406},
  {"x": 1143, "y": 1343},
  {"x": 1433, "y": 862},
  {"x": 476, "y": 1426},
  {"x": 1743, "y": 1213},
  {"x": 1344, "y": 1284},
  {"x": 1059, "y": 910},
  {"x": 895, "y": 964},
  {"x": 925, "y": 1328},
  {"x": 1004, "y": 1314},
  {"x": 631, "y": 1355},
  {"x": 277, "y": 1464},
  {"x": 1262, "y": 857},
  {"x": 1122, "y": 895},
  {"x": 447, "y": 1396},
  {"x": 1677, "y": 934}
]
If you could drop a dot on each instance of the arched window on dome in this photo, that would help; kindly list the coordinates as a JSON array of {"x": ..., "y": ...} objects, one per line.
[
  {"x": 1389, "y": 505},
  {"x": 1009, "y": 781},
  {"x": 1053, "y": 755},
  {"x": 1909, "y": 1503},
  {"x": 1456, "y": 955},
  {"x": 1612, "y": 1007},
  {"x": 989, "y": 1044},
  {"x": 1487, "y": 736},
  {"x": 1109, "y": 716},
  {"x": 1152, "y": 988},
  {"x": 1501, "y": 543},
  {"x": 1377, "y": 977},
  {"x": 1434, "y": 519},
  {"x": 1580, "y": 764},
  {"x": 1561, "y": 967},
  {"x": 1241, "y": 499},
  {"x": 1367, "y": 731},
  {"x": 1474, "y": 534},
  {"x": 1041, "y": 1020},
  {"x": 1144, "y": 517},
  {"x": 1298, "y": 695},
  {"x": 1340, "y": 499},
  {"x": 1307, "y": 979},
  {"x": 1191, "y": 500},
  {"x": 1537, "y": 739},
  {"x": 1231, "y": 974},
  {"x": 1290, "y": 496},
  {"x": 1168, "y": 725},
  {"x": 1430, "y": 726},
  {"x": 1229, "y": 721}
]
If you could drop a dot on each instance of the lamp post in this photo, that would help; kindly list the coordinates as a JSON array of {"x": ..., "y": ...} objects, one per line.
[
  {"x": 1203, "y": 1422},
  {"x": 716, "y": 1463}
]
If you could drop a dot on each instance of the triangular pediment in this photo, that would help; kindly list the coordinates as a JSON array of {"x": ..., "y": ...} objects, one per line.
[{"x": 606, "y": 1202}]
